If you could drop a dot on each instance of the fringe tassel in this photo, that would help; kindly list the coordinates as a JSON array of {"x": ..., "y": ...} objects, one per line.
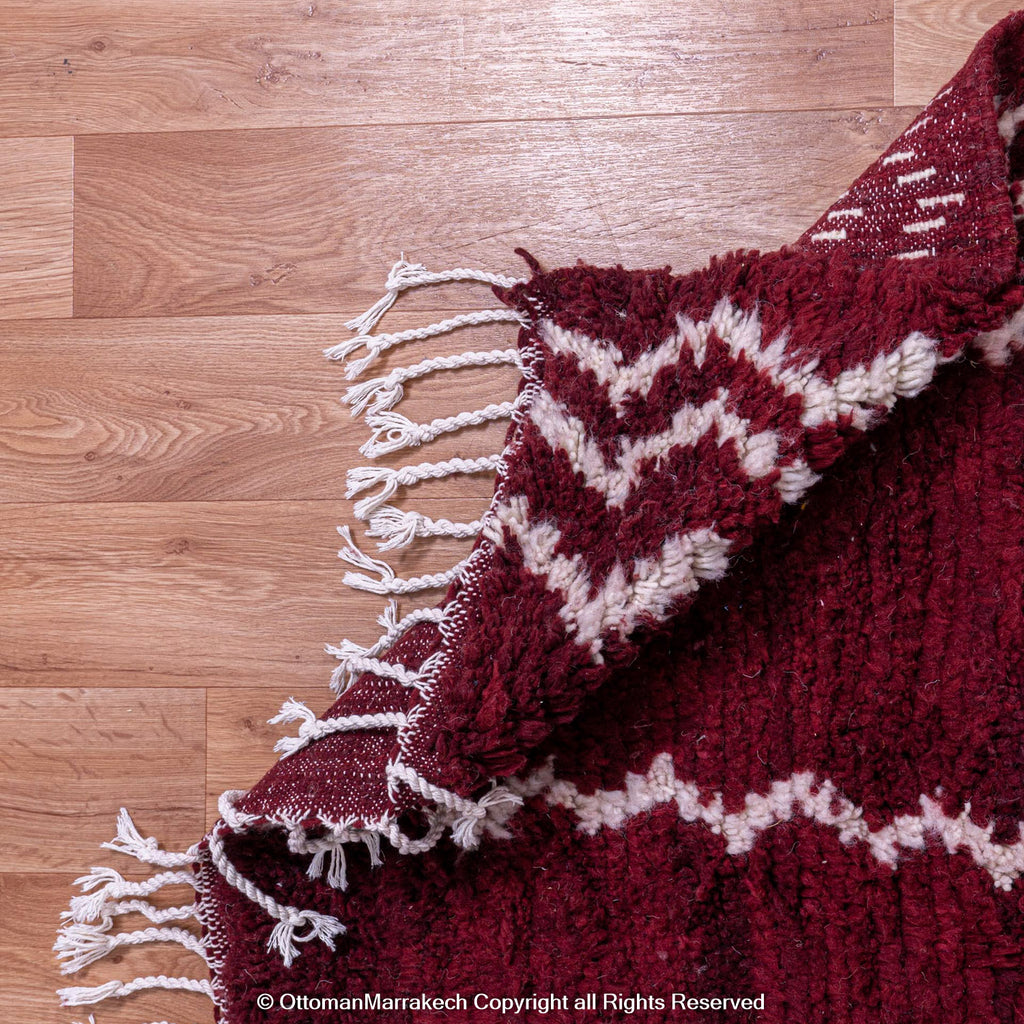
[
  {"x": 82, "y": 944},
  {"x": 467, "y": 829},
  {"x": 386, "y": 392},
  {"x": 313, "y": 728},
  {"x": 400, "y": 528},
  {"x": 362, "y": 478},
  {"x": 391, "y": 432},
  {"x": 120, "y": 989},
  {"x": 332, "y": 853},
  {"x": 388, "y": 583},
  {"x": 87, "y": 934},
  {"x": 376, "y": 344},
  {"x": 285, "y": 937},
  {"x": 405, "y": 275},
  {"x": 130, "y": 841},
  {"x": 353, "y": 657},
  {"x": 103, "y": 902},
  {"x": 336, "y": 876}
]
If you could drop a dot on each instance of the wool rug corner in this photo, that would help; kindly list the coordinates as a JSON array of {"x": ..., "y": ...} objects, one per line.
[{"x": 722, "y": 717}]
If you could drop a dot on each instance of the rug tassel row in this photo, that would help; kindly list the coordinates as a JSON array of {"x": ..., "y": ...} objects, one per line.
[
  {"x": 375, "y": 399},
  {"x": 87, "y": 934}
]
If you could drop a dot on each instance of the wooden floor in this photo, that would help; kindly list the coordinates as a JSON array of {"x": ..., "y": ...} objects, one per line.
[{"x": 194, "y": 198}]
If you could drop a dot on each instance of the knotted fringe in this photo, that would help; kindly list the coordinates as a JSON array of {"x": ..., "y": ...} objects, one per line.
[
  {"x": 390, "y": 432},
  {"x": 375, "y": 400},
  {"x": 362, "y": 478},
  {"x": 399, "y": 528},
  {"x": 355, "y": 659},
  {"x": 286, "y": 935},
  {"x": 87, "y": 934}
]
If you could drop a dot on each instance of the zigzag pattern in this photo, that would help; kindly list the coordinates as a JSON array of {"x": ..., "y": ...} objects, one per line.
[
  {"x": 855, "y": 392},
  {"x": 595, "y": 611},
  {"x": 633, "y": 589},
  {"x": 798, "y": 796},
  {"x": 758, "y": 452}
]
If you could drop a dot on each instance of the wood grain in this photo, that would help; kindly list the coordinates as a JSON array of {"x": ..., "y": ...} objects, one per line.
[
  {"x": 139, "y": 66},
  {"x": 35, "y": 227},
  {"x": 283, "y": 222},
  {"x": 197, "y": 594},
  {"x": 933, "y": 38},
  {"x": 226, "y": 408},
  {"x": 71, "y": 758},
  {"x": 242, "y": 175}
]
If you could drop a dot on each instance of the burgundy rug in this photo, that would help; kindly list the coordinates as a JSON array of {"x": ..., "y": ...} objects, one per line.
[{"x": 722, "y": 718}]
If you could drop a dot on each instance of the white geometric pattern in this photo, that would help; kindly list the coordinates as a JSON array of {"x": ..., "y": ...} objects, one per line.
[
  {"x": 798, "y": 796},
  {"x": 636, "y": 588},
  {"x": 647, "y": 586}
]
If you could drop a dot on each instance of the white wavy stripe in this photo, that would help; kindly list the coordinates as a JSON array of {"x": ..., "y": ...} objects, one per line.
[
  {"x": 904, "y": 372},
  {"x": 798, "y": 796},
  {"x": 648, "y": 586},
  {"x": 758, "y": 453},
  {"x": 740, "y": 331}
]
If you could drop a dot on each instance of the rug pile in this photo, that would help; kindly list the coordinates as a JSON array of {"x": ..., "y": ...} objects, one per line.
[{"x": 722, "y": 718}]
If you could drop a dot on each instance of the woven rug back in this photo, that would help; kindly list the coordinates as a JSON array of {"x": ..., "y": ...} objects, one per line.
[{"x": 726, "y": 702}]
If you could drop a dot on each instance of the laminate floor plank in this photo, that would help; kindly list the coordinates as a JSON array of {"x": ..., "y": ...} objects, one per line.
[
  {"x": 306, "y": 220},
  {"x": 230, "y": 594},
  {"x": 933, "y": 38},
  {"x": 72, "y": 757},
  {"x": 36, "y": 224},
  {"x": 217, "y": 408},
  {"x": 82, "y": 66}
]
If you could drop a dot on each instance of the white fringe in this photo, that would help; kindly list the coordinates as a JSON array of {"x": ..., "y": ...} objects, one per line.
[
  {"x": 87, "y": 934},
  {"x": 392, "y": 432},
  {"x": 400, "y": 528},
  {"x": 102, "y": 902},
  {"x": 332, "y": 852},
  {"x": 337, "y": 877},
  {"x": 82, "y": 944},
  {"x": 353, "y": 656},
  {"x": 384, "y": 670},
  {"x": 376, "y": 344},
  {"x": 362, "y": 478},
  {"x": 285, "y": 937},
  {"x": 405, "y": 275},
  {"x": 157, "y": 915},
  {"x": 470, "y": 815},
  {"x": 383, "y": 393},
  {"x": 106, "y": 895},
  {"x": 296, "y": 926},
  {"x": 129, "y": 840},
  {"x": 313, "y": 728},
  {"x": 388, "y": 583},
  {"x": 120, "y": 989}
]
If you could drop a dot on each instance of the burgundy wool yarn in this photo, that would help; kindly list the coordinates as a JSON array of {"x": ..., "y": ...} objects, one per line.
[{"x": 728, "y": 701}]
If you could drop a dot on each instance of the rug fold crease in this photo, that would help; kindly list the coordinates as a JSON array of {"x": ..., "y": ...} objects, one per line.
[{"x": 726, "y": 699}]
